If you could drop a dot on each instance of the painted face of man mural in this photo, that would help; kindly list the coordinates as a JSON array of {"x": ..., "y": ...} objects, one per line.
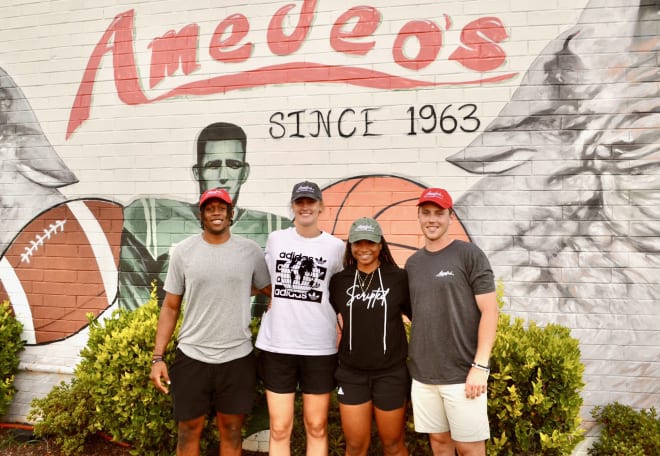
[{"x": 221, "y": 159}]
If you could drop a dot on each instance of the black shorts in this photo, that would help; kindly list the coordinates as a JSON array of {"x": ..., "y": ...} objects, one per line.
[
  {"x": 282, "y": 373},
  {"x": 388, "y": 390},
  {"x": 199, "y": 389}
]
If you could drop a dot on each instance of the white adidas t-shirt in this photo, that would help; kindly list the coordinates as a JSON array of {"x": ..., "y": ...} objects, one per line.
[{"x": 301, "y": 320}]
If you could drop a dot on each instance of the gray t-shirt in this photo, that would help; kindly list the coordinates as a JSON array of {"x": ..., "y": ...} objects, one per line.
[
  {"x": 216, "y": 281},
  {"x": 445, "y": 316}
]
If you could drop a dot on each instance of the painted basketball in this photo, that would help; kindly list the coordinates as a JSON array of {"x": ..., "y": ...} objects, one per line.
[
  {"x": 62, "y": 266},
  {"x": 391, "y": 200}
]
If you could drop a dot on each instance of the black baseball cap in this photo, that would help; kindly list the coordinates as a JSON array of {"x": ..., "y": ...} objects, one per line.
[{"x": 306, "y": 189}]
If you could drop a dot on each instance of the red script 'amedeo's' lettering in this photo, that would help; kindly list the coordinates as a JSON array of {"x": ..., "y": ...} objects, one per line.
[{"x": 479, "y": 51}]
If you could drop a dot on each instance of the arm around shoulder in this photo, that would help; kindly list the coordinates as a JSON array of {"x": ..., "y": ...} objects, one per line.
[{"x": 267, "y": 290}]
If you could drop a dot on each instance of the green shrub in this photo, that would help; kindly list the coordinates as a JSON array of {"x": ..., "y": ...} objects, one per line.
[
  {"x": 67, "y": 414},
  {"x": 116, "y": 363},
  {"x": 533, "y": 396},
  {"x": 534, "y": 392},
  {"x": 626, "y": 432},
  {"x": 11, "y": 343},
  {"x": 111, "y": 390}
]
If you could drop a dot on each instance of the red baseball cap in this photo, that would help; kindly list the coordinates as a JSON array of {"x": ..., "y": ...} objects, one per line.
[
  {"x": 438, "y": 196},
  {"x": 218, "y": 193}
]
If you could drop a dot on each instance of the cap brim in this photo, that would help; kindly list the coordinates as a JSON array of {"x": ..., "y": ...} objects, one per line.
[
  {"x": 365, "y": 237},
  {"x": 424, "y": 201},
  {"x": 305, "y": 195},
  {"x": 203, "y": 202}
]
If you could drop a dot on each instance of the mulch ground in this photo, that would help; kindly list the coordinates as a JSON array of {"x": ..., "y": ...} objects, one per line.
[{"x": 19, "y": 442}]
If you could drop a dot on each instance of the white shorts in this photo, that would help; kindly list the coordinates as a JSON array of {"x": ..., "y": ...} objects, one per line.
[{"x": 445, "y": 408}]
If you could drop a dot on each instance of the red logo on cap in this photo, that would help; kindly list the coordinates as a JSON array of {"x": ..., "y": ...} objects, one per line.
[{"x": 437, "y": 196}]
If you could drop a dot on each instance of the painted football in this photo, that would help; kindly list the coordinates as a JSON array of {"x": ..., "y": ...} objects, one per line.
[{"x": 62, "y": 266}]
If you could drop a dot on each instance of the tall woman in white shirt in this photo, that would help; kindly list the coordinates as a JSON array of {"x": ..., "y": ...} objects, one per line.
[{"x": 298, "y": 334}]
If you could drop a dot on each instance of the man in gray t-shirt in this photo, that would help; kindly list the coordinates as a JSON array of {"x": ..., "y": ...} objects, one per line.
[
  {"x": 454, "y": 321},
  {"x": 214, "y": 370}
]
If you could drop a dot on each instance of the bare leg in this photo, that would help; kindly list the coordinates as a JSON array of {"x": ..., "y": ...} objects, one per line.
[
  {"x": 442, "y": 444},
  {"x": 280, "y": 409},
  {"x": 189, "y": 435},
  {"x": 356, "y": 424},
  {"x": 315, "y": 416},
  {"x": 391, "y": 431},
  {"x": 229, "y": 427},
  {"x": 471, "y": 448}
]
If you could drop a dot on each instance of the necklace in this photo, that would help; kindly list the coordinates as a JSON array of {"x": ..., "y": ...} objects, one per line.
[{"x": 365, "y": 283}]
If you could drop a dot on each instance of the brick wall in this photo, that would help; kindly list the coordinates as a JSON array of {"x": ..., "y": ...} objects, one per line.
[{"x": 540, "y": 117}]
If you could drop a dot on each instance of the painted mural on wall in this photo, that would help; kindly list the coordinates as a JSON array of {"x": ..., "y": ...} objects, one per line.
[
  {"x": 32, "y": 171},
  {"x": 392, "y": 200},
  {"x": 153, "y": 226},
  {"x": 62, "y": 267},
  {"x": 478, "y": 52},
  {"x": 566, "y": 206},
  {"x": 569, "y": 205}
]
